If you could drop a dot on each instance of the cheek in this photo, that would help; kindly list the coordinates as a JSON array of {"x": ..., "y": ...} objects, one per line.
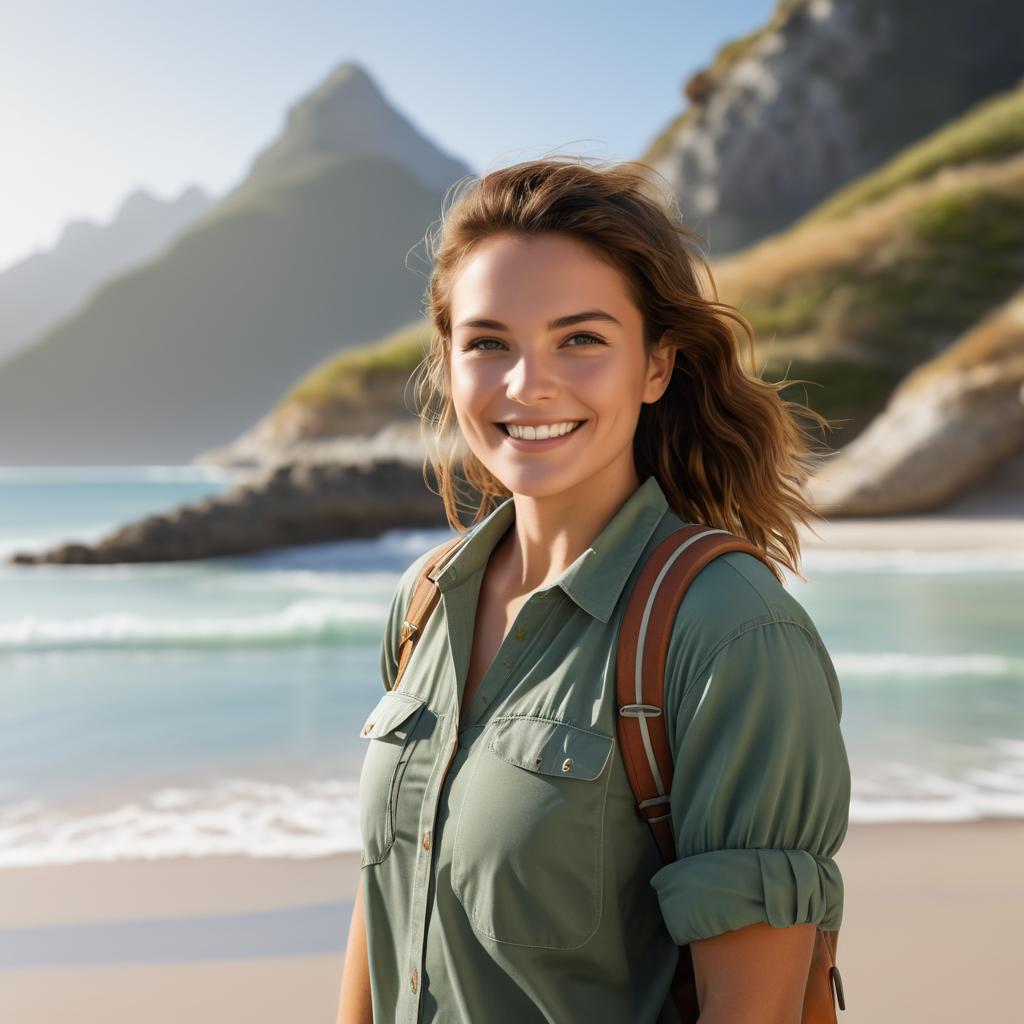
[
  {"x": 462, "y": 386},
  {"x": 609, "y": 388},
  {"x": 473, "y": 384},
  {"x": 469, "y": 391}
]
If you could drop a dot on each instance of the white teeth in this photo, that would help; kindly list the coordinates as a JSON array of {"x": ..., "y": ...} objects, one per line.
[{"x": 540, "y": 433}]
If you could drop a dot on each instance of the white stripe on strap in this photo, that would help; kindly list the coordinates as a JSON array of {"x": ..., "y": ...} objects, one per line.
[{"x": 638, "y": 669}]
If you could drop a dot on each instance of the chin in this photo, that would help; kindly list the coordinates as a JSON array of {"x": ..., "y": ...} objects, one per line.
[{"x": 538, "y": 485}]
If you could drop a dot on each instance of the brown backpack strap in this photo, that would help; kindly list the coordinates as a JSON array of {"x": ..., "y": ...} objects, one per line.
[
  {"x": 640, "y": 664},
  {"x": 424, "y": 596},
  {"x": 641, "y": 656}
]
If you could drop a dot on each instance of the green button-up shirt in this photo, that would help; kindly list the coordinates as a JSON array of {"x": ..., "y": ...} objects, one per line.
[{"x": 507, "y": 874}]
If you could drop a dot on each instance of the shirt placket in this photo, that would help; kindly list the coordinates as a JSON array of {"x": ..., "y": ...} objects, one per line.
[
  {"x": 506, "y": 661},
  {"x": 409, "y": 1001}
]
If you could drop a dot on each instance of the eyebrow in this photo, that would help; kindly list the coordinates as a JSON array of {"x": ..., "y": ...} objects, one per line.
[{"x": 562, "y": 321}]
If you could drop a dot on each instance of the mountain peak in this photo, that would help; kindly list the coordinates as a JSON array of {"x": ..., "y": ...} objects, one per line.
[
  {"x": 347, "y": 83},
  {"x": 138, "y": 201},
  {"x": 347, "y": 115}
]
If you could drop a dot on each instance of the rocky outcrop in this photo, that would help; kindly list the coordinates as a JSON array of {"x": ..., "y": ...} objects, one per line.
[
  {"x": 359, "y": 488},
  {"x": 955, "y": 424},
  {"x": 825, "y": 92},
  {"x": 399, "y": 439}
]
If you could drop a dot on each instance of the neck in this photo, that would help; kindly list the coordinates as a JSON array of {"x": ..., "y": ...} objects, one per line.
[{"x": 550, "y": 532}]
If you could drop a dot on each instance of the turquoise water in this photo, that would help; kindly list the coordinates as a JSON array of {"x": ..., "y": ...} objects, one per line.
[{"x": 214, "y": 706}]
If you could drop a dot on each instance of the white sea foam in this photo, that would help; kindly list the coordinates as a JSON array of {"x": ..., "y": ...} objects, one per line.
[
  {"x": 903, "y": 791},
  {"x": 910, "y": 561},
  {"x": 235, "y": 816},
  {"x": 883, "y": 666},
  {"x": 186, "y": 473},
  {"x": 256, "y": 818},
  {"x": 300, "y": 622}
]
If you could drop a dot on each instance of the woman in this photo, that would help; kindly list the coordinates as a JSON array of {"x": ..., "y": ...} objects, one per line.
[{"x": 507, "y": 875}]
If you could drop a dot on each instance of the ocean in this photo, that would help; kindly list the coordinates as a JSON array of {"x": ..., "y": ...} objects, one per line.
[{"x": 213, "y": 707}]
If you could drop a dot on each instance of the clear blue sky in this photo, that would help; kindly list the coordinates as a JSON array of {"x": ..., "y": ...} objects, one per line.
[{"x": 99, "y": 99}]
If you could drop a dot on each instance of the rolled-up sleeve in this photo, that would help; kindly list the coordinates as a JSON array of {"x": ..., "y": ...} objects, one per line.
[{"x": 760, "y": 790}]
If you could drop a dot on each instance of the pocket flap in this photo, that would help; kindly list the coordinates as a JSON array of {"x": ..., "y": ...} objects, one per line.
[
  {"x": 552, "y": 748},
  {"x": 391, "y": 711}
]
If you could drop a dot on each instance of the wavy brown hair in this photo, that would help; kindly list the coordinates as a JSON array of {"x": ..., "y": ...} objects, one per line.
[{"x": 726, "y": 448}]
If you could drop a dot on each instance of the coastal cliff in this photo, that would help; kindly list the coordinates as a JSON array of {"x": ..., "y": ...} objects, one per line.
[{"x": 820, "y": 95}]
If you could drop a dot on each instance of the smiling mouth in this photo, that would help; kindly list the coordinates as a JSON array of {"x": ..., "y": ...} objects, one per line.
[{"x": 553, "y": 437}]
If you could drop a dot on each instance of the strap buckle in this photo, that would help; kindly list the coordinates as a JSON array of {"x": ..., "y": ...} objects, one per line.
[{"x": 639, "y": 711}]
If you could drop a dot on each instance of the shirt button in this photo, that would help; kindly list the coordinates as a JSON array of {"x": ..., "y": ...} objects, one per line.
[
  {"x": 426, "y": 840},
  {"x": 507, "y": 663},
  {"x": 412, "y": 979},
  {"x": 520, "y": 633}
]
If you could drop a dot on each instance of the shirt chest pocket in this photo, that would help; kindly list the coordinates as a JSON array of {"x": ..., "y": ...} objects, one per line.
[
  {"x": 527, "y": 860},
  {"x": 390, "y": 729}
]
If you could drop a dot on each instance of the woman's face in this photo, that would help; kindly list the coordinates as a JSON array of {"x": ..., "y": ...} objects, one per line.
[{"x": 525, "y": 367}]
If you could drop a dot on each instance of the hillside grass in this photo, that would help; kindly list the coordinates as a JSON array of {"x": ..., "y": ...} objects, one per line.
[
  {"x": 894, "y": 268},
  {"x": 991, "y": 130},
  {"x": 350, "y": 375}
]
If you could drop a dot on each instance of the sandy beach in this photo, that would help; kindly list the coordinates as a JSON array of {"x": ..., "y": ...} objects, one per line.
[
  {"x": 933, "y": 533},
  {"x": 929, "y": 933}
]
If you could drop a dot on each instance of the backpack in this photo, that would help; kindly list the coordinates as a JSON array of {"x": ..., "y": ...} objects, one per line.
[{"x": 642, "y": 734}]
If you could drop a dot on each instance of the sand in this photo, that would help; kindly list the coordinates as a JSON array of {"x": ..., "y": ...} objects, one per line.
[
  {"x": 935, "y": 532},
  {"x": 929, "y": 933}
]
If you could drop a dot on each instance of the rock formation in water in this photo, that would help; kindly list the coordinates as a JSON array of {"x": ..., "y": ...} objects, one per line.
[{"x": 354, "y": 490}]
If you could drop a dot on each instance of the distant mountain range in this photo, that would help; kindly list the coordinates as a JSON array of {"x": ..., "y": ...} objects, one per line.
[
  {"x": 43, "y": 288},
  {"x": 312, "y": 252}
]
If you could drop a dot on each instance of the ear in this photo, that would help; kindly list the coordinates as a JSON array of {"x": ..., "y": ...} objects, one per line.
[{"x": 661, "y": 362}]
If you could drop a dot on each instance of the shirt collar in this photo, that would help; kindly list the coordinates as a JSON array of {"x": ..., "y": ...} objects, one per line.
[{"x": 595, "y": 580}]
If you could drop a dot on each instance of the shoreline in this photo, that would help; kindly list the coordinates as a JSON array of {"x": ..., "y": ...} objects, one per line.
[
  {"x": 912, "y": 890},
  {"x": 934, "y": 532}
]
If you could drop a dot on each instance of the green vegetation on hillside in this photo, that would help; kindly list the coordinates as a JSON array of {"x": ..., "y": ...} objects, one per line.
[
  {"x": 348, "y": 376},
  {"x": 925, "y": 270},
  {"x": 989, "y": 131},
  {"x": 951, "y": 259},
  {"x": 873, "y": 319}
]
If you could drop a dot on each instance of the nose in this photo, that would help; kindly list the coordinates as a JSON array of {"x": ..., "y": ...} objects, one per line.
[{"x": 530, "y": 380}]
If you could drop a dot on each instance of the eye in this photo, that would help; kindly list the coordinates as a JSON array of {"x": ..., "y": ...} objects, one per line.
[{"x": 473, "y": 345}]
